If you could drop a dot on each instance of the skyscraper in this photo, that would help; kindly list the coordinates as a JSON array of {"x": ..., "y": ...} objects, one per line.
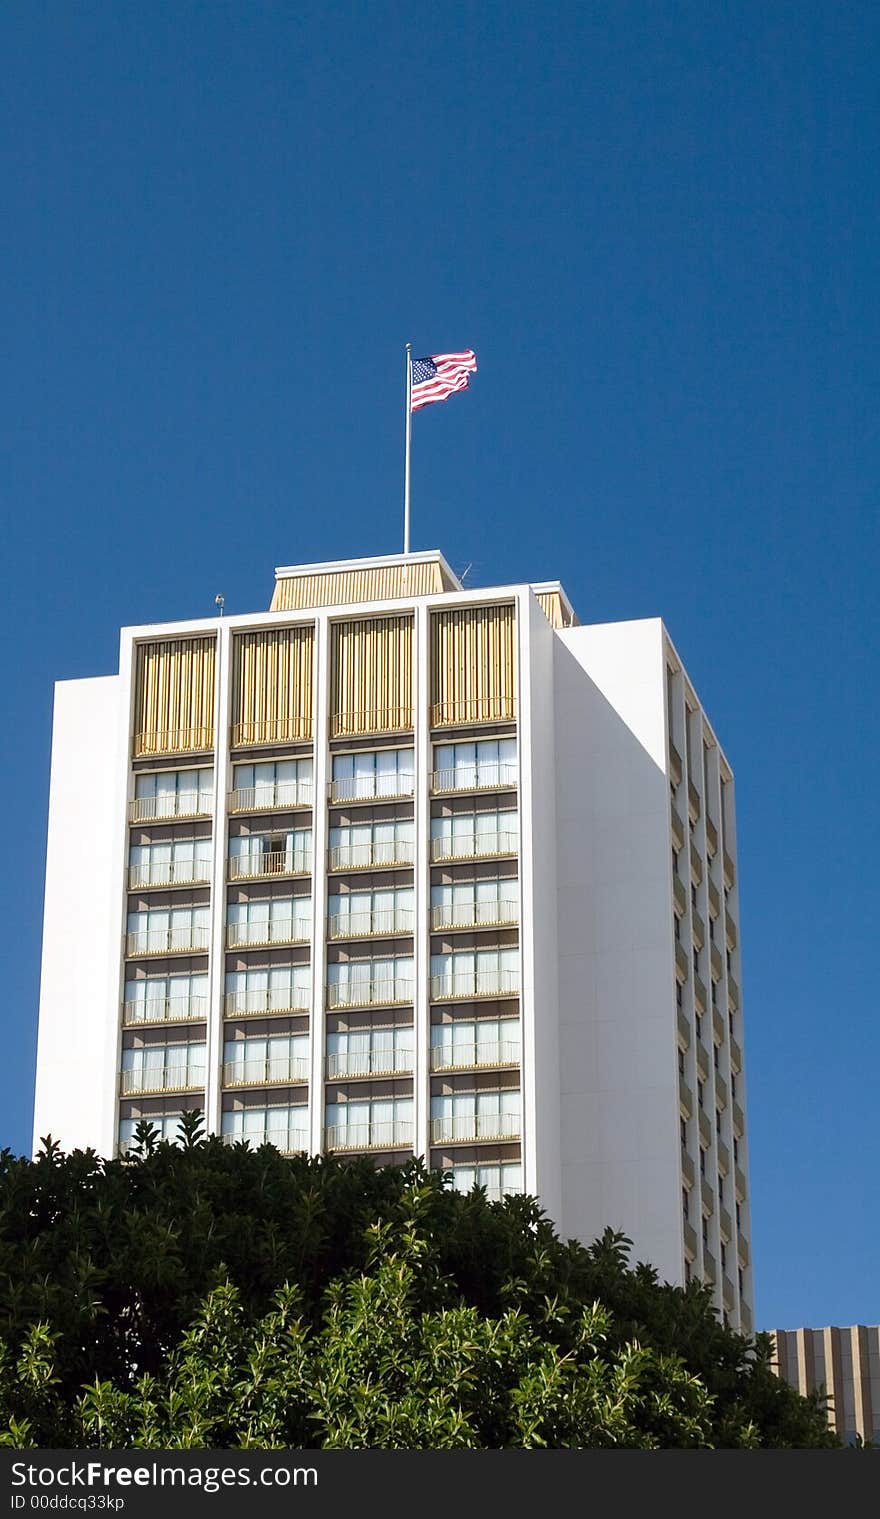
[{"x": 401, "y": 867}]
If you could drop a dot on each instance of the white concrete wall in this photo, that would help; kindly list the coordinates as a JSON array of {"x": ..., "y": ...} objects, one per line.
[
  {"x": 618, "y": 1055},
  {"x": 79, "y": 994}
]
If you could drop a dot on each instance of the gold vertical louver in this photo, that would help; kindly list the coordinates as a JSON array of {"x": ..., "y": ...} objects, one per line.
[
  {"x": 372, "y": 679},
  {"x": 473, "y": 665},
  {"x": 272, "y": 686},
  {"x": 174, "y": 696}
]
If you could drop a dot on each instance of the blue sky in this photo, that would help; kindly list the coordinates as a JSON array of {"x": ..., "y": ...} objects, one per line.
[{"x": 658, "y": 228}]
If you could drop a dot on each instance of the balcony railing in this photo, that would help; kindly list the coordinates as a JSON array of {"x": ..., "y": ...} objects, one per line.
[
  {"x": 501, "y": 776},
  {"x": 473, "y": 709},
  {"x": 275, "y": 862},
  {"x": 166, "y": 1010},
  {"x": 169, "y": 873},
  {"x": 372, "y": 788},
  {"x": 371, "y": 720},
  {"x": 479, "y": 983},
  {"x": 450, "y": 1057},
  {"x": 278, "y": 1069},
  {"x": 385, "y": 992},
  {"x": 288, "y": 1141},
  {"x": 475, "y": 846},
  {"x": 171, "y": 1078},
  {"x": 272, "y": 730},
  {"x": 393, "y": 1134},
  {"x": 274, "y": 798},
  {"x": 375, "y": 852},
  {"x": 170, "y": 804},
  {"x": 492, "y": 914},
  {"x": 267, "y": 1000},
  {"x": 370, "y": 1063},
  {"x": 167, "y": 941},
  {"x": 475, "y": 1126},
  {"x": 378, "y": 923},
  {"x": 496, "y": 1194},
  {"x": 173, "y": 741},
  {"x": 273, "y": 931}
]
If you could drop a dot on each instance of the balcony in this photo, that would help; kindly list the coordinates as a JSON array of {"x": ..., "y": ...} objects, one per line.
[
  {"x": 373, "y": 788},
  {"x": 475, "y": 846},
  {"x": 371, "y": 720},
  {"x": 702, "y": 1059},
  {"x": 273, "y": 931},
  {"x": 700, "y": 993},
  {"x": 171, "y": 1078},
  {"x": 707, "y": 1196},
  {"x": 471, "y": 1126},
  {"x": 742, "y": 1250},
  {"x": 168, "y": 941},
  {"x": 679, "y": 894},
  {"x": 723, "y": 1157},
  {"x": 739, "y": 1178},
  {"x": 717, "y": 1025},
  {"x": 675, "y": 770},
  {"x": 714, "y": 898},
  {"x": 465, "y": 985},
  {"x": 379, "y": 923},
  {"x": 745, "y": 1318},
  {"x": 725, "y": 1224},
  {"x": 685, "y": 1096},
  {"x": 266, "y": 1001},
  {"x": 684, "y": 1028},
  {"x": 501, "y": 776},
  {"x": 375, "y": 853},
  {"x": 288, "y": 1141},
  {"x": 273, "y": 1072},
  {"x": 483, "y": 1056},
  {"x": 729, "y": 868},
  {"x": 722, "y": 1096},
  {"x": 716, "y": 962},
  {"x": 386, "y": 992},
  {"x": 739, "y": 1122},
  {"x": 677, "y": 822},
  {"x": 687, "y": 1167},
  {"x": 711, "y": 836},
  {"x": 165, "y": 1010},
  {"x": 690, "y": 1240},
  {"x": 733, "y": 992},
  {"x": 275, "y": 862},
  {"x": 280, "y": 797},
  {"x": 696, "y": 862},
  {"x": 728, "y": 1293},
  {"x": 170, "y": 804},
  {"x": 493, "y": 914},
  {"x": 693, "y": 801},
  {"x": 699, "y": 929},
  {"x": 736, "y": 1056},
  {"x": 730, "y": 932},
  {"x": 705, "y": 1128},
  {"x": 378, "y": 1062},
  {"x": 710, "y": 1268},
  {"x": 390, "y": 1135},
  {"x": 173, "y": 741},
  {"x": 681, "y": 962},
  {"x": 169, "y": 873}
]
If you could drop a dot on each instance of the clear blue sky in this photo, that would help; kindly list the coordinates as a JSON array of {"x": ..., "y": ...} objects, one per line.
[{"x": 658, "y": 227}]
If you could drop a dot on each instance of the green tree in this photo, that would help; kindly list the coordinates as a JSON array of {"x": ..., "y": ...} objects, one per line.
[{"x": 209, "y": 1295}]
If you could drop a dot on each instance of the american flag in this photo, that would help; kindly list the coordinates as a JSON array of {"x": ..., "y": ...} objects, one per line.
[{"x": 440, "y": 376}]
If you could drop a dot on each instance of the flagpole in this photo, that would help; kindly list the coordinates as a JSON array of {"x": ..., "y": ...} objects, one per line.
[{"x": 408, "y": 447}]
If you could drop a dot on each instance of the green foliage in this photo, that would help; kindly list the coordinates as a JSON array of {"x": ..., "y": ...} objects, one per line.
[{"x": 211, "y": 1295}]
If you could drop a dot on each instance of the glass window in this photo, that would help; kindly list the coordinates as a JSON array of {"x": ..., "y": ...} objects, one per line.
[
  {"x": 174, "y": 793},
  {"x": 369, "y": 773}
]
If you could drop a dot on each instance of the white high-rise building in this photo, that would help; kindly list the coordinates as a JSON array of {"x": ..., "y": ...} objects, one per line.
[{"x": 398, "y": 867}]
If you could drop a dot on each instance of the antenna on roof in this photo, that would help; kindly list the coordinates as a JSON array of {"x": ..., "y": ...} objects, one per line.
[{"x": 466, "y": 572}]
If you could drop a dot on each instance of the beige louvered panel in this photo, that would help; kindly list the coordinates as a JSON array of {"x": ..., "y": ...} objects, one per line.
[
  {"x": 174, "y": 696},
  {"x": 272, "y": 686},
  {"x": 557, "y": 613},
  {"x": 472, "y": 665},
  {"x": 341, "y": 587},
  {"x": 372, "y": 680}
]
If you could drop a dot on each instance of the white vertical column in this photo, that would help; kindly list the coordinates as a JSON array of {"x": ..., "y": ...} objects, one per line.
[
  {"x": 117, "y": 968},
  {"x": 219, "y": 831},
  {"x": 321, "y": 779},
  {"x": 528, "y": 1097},
  {"x": 422, "y": 938}
]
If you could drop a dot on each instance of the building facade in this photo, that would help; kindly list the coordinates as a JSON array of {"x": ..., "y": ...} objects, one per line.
[
  {"x": 844, "y": 1364},
  {"x": 398, "y": 867}
]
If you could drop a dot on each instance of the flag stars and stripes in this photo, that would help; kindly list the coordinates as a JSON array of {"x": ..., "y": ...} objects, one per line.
[{"x": 440, "y": 375}]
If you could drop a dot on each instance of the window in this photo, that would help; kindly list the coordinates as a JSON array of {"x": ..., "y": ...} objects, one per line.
[
  {"x": 705, "y": 1232},
  {"x": 681, "y": 1062},
  {"x": 702, "y": 1161},
  {"x": 715, "y": 1055},
  {"x": 687, "y": 1270},
  {"x": 158, "y": 930},
  {"x": 285, "y": 1126},
  {"x": 501, "y": 1180},
  {"x": 675, "y": 855},
  {"x": 736, "y": 1148},
  {"x": 477, "y": 1115},
  {"x": 369, "y": 1051},
  {"x": 679, "y": 994},
  {"x": 270, "y": 920},
  {"x": 160, "y": 1067},
  {"x": 387, "y": 843},
  {"x": 462, "y": 903},
  {"x": 370, "y": 773},
  {"x": 473, "y": 766},
  {"x": 685, "y": 1201},
  {"x": 699, "y": 1023},
  {"x": 678, "y": 927},
  {"x": 273, "y": 783},
  {"x": 475, "y": 833},
  {"x": 166, "y": 1124},
  {"x": 733, "y": 1084},
  {"x": 153, "y": 999},
  {"x": 469, "y": 1042},
  {"x": 256, "y": 854},
  {"x": 739, "y": 1216},
  {"x": 700, "y": 1092},
  {"x": 269, "y": 989},
  {"x": 278, "y": 1057},
  {"x": 383, "y": 911},
  {"x": 169, "y": 862},
  {"x": 360, "y": 983},
  {"x": 683, "y": 1130},
  {"x": 723, "y": 1256},
  {"x": 470, "y": 973},
  {"x": 174, "y": 794},
  {"x": 740, "y": 1280},
  {"x": 361, "y": 1124}
]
